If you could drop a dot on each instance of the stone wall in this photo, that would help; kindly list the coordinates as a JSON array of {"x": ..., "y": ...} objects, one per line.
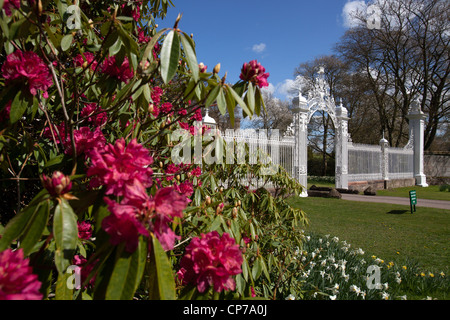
[
  {"x": 381, "y": 184},
  {"x": 437, "y": 166}
]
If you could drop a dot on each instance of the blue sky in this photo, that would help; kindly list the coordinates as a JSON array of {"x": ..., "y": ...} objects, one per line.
[{"x": 279, "y": 34}]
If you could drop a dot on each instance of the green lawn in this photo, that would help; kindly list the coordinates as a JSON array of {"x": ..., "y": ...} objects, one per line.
[
  {"x": 431, "y": 192},
  {"x": 390, "y": 232}
]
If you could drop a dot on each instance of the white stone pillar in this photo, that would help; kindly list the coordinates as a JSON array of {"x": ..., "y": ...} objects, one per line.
[
  {"x": 384, "y": 161},
  {"x": 341, "y": 146},
  {"x": 416, "y": 123},
  {"x": 301, "y": 145}
]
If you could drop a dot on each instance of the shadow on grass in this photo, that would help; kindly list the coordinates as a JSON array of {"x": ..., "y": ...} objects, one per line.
[{"x": 398, "y": 211}]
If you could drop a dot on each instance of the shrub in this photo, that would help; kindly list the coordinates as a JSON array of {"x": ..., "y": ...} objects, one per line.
[{"x": 91, "y": 100}]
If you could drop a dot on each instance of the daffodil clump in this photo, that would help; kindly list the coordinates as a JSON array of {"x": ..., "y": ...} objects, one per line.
[{"x": 332, "y": 269}]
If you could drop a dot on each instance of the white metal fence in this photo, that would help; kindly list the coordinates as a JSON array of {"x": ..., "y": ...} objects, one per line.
[{"x": 365, "y": 162}]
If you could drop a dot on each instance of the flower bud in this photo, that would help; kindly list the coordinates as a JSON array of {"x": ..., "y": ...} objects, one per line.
[
  {"x": 235, "y": 212},
  {"x": 57, "y": 184},
  {"x": 151, "y": 108},
  {"x": 208, "y": 200},
  {"x": 202, "y": 67},
  {"x": 217, "y": 68},
  {"x": 219, "y": 208},
  {"x": 40, "y": 7}
]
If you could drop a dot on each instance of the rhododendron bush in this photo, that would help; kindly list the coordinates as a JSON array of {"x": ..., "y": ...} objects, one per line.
[{"x": 94, "y": 206}]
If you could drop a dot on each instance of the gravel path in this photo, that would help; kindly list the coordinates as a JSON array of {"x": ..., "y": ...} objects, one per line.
[{"x": 440, "y": 204}]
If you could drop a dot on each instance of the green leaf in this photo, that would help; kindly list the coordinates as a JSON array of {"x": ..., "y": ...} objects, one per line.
[
  {"x": 170, "y": 56},
  {"x": 151, "y": 44},
  {"x": 250, "y": 98},
  {"x": 231, "y": 104},
  {"x": 115, "y": 48},
  {"x": 17, "y": 225},
  {"x": 54, "y": 161},
  {"x": 257, "y": 269},
  {"x": 62, "y": 291},
  {"x": 264, "y": 269},
  {"x": 245, "y": 269},
  {"x": 221, "y": 102},
  {"x": 127, "y": 273},
  {"x": 65, "y": 232},
  {"x": 191, "y": 57},
  {"x": 18, "y": 107},
  {"x": 259, "y": 101},
  {"x": 188, "y": 293},
  {"x": 212, "y": 96},
  {"x": 162, "y": 280},
  {"x": 197, "y": 196},
  {"x": 239, "y": 101},
  {"x": 35, "y": 227},
  {"x": 240, "y": 283},
  {"x": 66, "y": 42}
]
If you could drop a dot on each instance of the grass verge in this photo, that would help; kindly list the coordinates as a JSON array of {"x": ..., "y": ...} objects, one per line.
[{"x": 385, "y": 230}]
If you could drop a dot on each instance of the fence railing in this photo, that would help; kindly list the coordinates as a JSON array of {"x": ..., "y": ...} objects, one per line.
[{"x": 366, "y": 162}]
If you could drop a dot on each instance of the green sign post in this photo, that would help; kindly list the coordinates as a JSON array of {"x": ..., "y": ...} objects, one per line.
[{"x": 413, "y": 200}]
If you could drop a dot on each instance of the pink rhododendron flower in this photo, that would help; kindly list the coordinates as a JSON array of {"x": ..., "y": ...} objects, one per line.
[
  {"x": 124, "y": 72},
  {"x": 196, "y": 172},
  {"x": 186, "y": 188},
  {"x": 17, "y": 281},
  {"x": 87, "y": 57},
  {"x": 85, "y": 141},
  {"x": 142, "y": 38},
  {"x": 81, "y": 262},
  {"x": 211, "y": 260},
  {"x": 156, "y": 94},
  {"x": 171, "y": 170},
  {"x": 163, "y": 232},
  {"x": 58, "y": 184},
  {"x": 197, "y": 116},
  {"x": 9, "y": 5},
  {"x": 94, "y": 114},
  {"x": 4, "y": 114},
  {"x": 122, "y": 224},
  {"x": 169, "y": 202},
  {"x": 84, "y": 230},
  {"x": 57, "y": 129},
  {"x": 27, "y": 68},
  {"x": 135, "y": 12},
  {"x": 138, "y": 214},
  {"x": 117, "y": 165},
  {"x": 166, "y": 107},
  {"x": 255, "y": 73}
]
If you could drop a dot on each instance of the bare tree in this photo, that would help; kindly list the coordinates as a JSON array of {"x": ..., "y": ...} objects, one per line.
[
  {"x": 406, "y": 58},
  {"x": 276, "y": 116}
]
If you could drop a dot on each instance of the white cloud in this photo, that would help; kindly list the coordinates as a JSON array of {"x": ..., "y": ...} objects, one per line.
[
  {"x": 289, "y": 88},
  {"x": 258, "y": 48},
  {"x": 351, "y": 8},
  {"x": 270, "y": 89}
]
